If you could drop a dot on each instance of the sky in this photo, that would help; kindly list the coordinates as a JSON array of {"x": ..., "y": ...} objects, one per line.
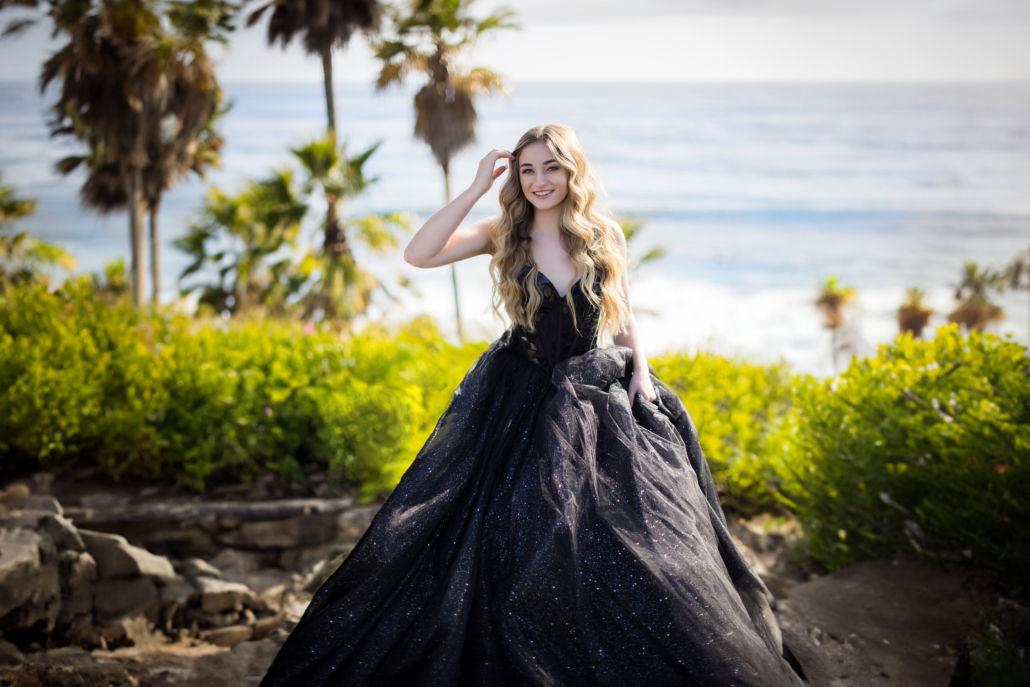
[{"x": 682, "y": 41}]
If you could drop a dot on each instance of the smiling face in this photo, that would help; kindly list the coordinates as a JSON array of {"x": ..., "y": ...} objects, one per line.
[{"x": 544, "y": 182}]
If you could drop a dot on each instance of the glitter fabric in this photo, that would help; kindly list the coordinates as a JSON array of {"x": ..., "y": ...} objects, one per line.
[{"x": 548, "y": 533}]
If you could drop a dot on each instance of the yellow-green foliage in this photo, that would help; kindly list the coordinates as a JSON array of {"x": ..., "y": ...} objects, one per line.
[
  {"x": 737, "y": 407},
  {"x": 84, "y": 381},
  {"x": 925, "y": 447}
]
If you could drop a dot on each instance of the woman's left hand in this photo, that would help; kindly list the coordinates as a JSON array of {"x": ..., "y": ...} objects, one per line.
[{"x": 640, "y": 383}]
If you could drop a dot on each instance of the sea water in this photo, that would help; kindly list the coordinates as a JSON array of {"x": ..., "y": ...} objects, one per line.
[{"x": 757, "y": 193}]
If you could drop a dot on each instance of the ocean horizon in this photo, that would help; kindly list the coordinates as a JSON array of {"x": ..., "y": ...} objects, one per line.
[{"x": 757, "y": 191}]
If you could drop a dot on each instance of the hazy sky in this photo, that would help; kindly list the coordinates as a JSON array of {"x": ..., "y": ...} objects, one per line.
[{"x": 686, "y": 40}]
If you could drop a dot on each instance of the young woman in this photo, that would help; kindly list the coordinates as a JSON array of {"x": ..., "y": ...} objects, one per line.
[{"x": 560, "y": 526}]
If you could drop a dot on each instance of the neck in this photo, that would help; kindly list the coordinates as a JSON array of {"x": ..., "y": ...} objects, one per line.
[{"x": 547, "y": 221}]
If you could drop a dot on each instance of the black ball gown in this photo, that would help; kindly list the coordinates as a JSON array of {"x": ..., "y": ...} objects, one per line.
[{"x": 548, "y": 533}]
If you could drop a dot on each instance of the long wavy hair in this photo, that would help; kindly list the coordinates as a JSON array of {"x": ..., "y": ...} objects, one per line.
[{"x": 586, "y": 233}]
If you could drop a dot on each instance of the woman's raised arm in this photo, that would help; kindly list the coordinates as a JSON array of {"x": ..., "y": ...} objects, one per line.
[{"x": 439, "y": 241}]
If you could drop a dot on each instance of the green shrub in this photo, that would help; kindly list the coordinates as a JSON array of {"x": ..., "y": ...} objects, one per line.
[
  {"x": 925, "y": 447},
  {"x": 996, "y": 647},
  {"x": 84, "y": 380},
  {"x": 738, "y": 408}
]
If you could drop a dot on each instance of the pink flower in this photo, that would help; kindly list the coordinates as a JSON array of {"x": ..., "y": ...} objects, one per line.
[
  {"x": 1001, "y": 469},
  {"x": 309, "y": 328},
  {"x": 268, "y": 411}
]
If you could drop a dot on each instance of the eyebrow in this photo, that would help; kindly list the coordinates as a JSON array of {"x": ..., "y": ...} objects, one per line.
[{"x": 530, "y": 164}]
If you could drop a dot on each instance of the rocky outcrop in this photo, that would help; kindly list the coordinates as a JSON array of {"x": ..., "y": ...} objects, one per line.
[
  {"x": 60, "y": 583},
  {"x": 894, "y": 622},
  {"x": 298, "y": 534}
]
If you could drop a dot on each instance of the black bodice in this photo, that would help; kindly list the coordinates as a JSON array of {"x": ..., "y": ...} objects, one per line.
[{"x": 556, "y": 335}]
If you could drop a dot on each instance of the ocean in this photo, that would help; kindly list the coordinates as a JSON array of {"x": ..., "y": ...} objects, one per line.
[{"x": 758, "y": 193}]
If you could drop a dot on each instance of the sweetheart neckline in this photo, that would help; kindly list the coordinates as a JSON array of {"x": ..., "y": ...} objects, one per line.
[{"x": 573, "y": 284}]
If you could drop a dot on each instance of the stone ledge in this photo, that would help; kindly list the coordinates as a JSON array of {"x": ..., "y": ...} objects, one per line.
[{"x": 200, "y": 511}]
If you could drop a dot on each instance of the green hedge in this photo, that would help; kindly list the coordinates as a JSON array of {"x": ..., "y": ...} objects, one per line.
[
  {"x": 925, "y": 447},
  {"x": 83, "y": 381},
  {"x": 738, "y": 408}
]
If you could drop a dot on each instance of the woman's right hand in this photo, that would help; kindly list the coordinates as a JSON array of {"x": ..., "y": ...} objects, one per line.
[{"x": 486, "y": 174}]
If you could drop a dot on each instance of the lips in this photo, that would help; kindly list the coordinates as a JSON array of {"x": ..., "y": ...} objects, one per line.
[{"x": 542, "y": 194}]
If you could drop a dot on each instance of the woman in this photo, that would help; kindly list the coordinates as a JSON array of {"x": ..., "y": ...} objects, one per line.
[{"x": 560, "y": 526}]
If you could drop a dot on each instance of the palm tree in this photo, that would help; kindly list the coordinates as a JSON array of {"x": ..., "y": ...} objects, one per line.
[
  {"x": 427, "y": 40},
  {"x": 22, "y": 259},
  {"x": 975, "y": 309},
  {"x": 326, "y": 25},
  {"x": 343, "y": 290},
  {"x": 913, "y": 315},
  {"x": 237, "y": 235},
  {"x": 130, "y": 90},
  {"x": 187, "y": 141},
  {"x": 833, "y": 301},
  {"x": 1017, "y": 274},
  {"x": 631, "y": 227}
]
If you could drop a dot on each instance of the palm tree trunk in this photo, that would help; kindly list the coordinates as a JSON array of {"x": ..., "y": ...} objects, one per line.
[
  {"x": 155, "y": 254},
  {"x": 136, "y": 232},
  {"x": 454, "y": 273},
  {"x": 330, "y": 102}
]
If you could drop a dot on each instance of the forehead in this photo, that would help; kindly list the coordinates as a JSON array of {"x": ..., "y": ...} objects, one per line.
[{"x": 535, "y": 153}]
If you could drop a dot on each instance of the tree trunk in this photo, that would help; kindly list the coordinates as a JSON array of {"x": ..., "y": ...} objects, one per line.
[
  {"x": 454, "y": 272},
  {"x": 335, "y": 244},
  {"x": 155, "y": 254},
  {"x": 330, "y": 103},
  {"x": 136, "y": 233}
]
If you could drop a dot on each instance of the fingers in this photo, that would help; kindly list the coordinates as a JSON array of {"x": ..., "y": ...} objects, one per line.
[
  {"x": 499, "y": 153},
  {"x": 499, "y": 171}
]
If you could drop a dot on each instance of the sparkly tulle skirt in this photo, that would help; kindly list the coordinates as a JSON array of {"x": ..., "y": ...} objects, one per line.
[{"x": 549, "y": 533}]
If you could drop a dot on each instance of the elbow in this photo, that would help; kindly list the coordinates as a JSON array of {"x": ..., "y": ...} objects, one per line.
[{"x": 412, "y": 258}]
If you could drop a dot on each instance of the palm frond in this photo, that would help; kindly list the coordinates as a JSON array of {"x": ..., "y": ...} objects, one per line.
[{"x": 17, "y": 26}]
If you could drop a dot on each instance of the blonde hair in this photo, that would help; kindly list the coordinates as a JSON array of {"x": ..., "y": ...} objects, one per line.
[{"x": 585, "y": 231}]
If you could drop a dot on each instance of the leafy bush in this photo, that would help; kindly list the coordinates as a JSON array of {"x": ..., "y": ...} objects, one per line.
[
  {"x": 738, "y": 408},
  {"x": 996, "y": 650},
  {"x": 85, "y": 380},
  {"x": 925, "y": 447}
]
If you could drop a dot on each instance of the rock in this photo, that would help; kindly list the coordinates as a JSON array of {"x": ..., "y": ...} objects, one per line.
[
  {"x": 19, "y": 567},
  {"x": 108, "y": 509},
  {"x": 874, "y": 623},
  {"x": 178, "y": 591},
  {"x": 335, "y": 560},
  {"x": 30, "y": 581},
  {"x": 264, "y": 627},
  {"x": 198, "y": 567},
  {"x": 217, "y": 596},
  {"x": 114, "y": 599},
  {"x": 67, "y": 656},
  {"x": 354, "y": 522},
  {"x": 62, "y": 531},
  {"x": 10, "y": 655},
  {"x": 78, "y": 571},
  {"x": 299, "y": 531},
  {"x": 104, "y": 500},
  {"x": 243, "y": 666},
  {"x": 117, "y": 558},
  {"x": 44, "y": 503},
  {"x": 228, "y": 636},
  {"x": 14, "y": 497}
]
